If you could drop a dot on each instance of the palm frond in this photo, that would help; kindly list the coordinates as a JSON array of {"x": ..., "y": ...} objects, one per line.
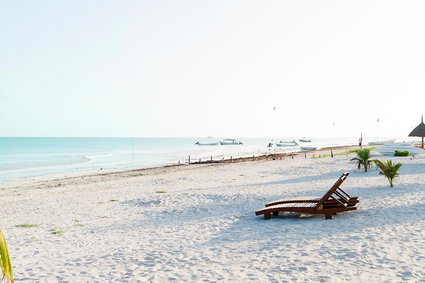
[
  {"x": 5, "y": 263},
  {"x": 388, "y": 169},
  {"x": 363, "y": 159}
]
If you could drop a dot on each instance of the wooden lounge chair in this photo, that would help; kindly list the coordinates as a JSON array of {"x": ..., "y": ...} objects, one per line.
[{"x": 334, "y": 201}]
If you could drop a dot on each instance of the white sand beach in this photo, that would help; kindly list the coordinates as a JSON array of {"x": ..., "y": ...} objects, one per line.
[{"x": 197, "y": 224}]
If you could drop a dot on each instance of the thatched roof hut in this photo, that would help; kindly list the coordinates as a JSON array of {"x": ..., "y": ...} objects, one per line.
[{"x": 419, "y": 131}]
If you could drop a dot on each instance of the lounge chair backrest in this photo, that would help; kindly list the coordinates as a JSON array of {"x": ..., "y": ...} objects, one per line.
[{"x": 336, "y": 193}]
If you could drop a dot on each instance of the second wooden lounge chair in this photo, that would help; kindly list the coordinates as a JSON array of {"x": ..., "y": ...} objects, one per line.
[{"x": 334, "y": 201}]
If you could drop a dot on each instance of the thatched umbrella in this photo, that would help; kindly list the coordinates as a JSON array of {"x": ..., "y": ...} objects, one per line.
[{"x": 419, "y": 131}]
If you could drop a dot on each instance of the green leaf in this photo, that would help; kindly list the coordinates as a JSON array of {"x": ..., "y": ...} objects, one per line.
[
  {"x": 363, "y": 158},
  {"x": 5, "y": 263},
  {"x": 388, "y": 169}
]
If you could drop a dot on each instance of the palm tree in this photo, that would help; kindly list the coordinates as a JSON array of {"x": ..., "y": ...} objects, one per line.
[
  {"x": 388, "y": 169},
  {"x": 5, "y": 264},
  {"x": 363, "y": 159}
]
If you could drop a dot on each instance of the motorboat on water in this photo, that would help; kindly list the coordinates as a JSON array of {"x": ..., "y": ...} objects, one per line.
[
  {"x": 381, "y": 142},
  {"x": 304, "y": 139},
  {"x": 286, "y": 143},
  {"x": 230, "y": 142},
  {"x": 206, "y": 143}
]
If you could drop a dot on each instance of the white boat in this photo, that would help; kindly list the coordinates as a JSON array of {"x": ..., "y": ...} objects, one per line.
[
  {"x": 230, "y": 142},
  {"x": 381, "y": 142},
  {"x": 287, "y": 143},
  {"x": 304, "y": 139},
  {"x": 306, "y": 148},
  {"x": 206, "y": 143}
]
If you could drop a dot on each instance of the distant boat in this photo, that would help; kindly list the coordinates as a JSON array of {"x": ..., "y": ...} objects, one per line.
[
  {"x": 287, "y": 143},
  {"x": 381, "y": 142},
  {"x": 206, "y": 143},
  {"x": 230, "y": 142},
  {"x": 306, "y": 148},
  {"x": 304, "y": 139}
]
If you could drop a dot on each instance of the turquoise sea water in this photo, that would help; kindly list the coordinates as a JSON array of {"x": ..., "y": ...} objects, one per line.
[{"x": 25, "y": 157}]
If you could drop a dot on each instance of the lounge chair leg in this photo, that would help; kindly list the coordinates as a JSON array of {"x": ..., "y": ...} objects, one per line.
[
  {"x": 276, "y": 213},
  {"x": 328, "y": 216},
  {"x": 267, "y": 216}
]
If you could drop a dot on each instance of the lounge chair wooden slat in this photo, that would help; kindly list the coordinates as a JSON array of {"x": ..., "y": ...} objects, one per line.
[
  {"x": 295, "y": 199},
  {"x": 338, "y": 201},
  {"x": 335, "y": 200},
  {"x": 344, "y": 193},
  {"x": 341, "y": 197}
]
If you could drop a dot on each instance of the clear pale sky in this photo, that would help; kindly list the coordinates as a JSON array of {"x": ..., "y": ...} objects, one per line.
[{"x": 211, "y": 68}]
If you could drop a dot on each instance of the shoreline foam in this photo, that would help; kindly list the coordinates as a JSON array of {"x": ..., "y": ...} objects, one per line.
[{"x": 135, "y": 172}]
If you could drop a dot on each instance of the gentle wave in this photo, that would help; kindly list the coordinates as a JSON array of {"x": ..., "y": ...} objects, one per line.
[{"x": 10, "y": 165}]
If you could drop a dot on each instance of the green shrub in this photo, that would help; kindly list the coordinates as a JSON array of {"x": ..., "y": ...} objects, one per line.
[
  {"x": 26, "y": 225},
  {"x": 401, "y": 153},
  {"x": 56, "y": 232},
  {"x": 356, "y": 150}
]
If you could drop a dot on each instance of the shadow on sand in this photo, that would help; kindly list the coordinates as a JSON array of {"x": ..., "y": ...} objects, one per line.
[{"x": 295, "y": 227}]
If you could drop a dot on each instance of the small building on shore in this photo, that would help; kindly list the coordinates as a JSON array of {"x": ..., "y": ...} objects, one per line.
[{"x": 419, "y": 131}]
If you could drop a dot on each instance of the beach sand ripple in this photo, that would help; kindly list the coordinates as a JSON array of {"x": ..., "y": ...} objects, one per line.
[{"x": 197, "y": 223}]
